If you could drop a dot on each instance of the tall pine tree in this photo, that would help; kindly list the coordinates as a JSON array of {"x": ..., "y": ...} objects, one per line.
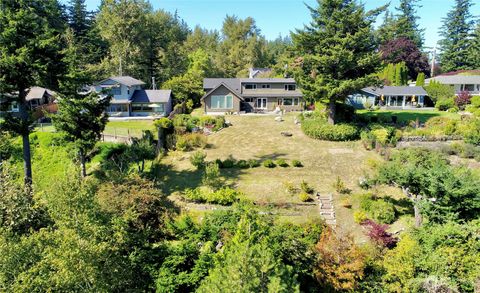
[
  {"x": 457, "y": 37},
  {"x": 475, "y": 49},
  {"x": 78, "y": 17},
  {"x": 29, "y": 41},
  {"x": 406, "y": 22},
  {"x": 336, "y": 53}
]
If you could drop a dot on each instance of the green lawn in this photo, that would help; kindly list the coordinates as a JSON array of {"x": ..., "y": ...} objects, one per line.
[
  {"x": 408, "y": 115},
  {"x": 122, "y": 128},
  {"x": 258, "y": 137}
]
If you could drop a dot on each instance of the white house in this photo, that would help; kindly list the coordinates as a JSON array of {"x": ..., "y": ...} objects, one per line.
[
  {"x": 130, "y": 99},
  {"x": 469, "y": 83},
  {"x": 397, "y": 97}
]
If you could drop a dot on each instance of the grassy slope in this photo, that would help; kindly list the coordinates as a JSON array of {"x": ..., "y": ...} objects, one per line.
[{"x": 411, "y": 115}]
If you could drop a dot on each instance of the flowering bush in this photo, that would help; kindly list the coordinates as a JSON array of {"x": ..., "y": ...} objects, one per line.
[
  {"x": 378, "y": 233},
  {"x": 463, "y": 99}
]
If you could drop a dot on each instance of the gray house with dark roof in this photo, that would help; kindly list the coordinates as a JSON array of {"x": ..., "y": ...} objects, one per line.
[
  {"x": 239, "y": 95},
  {"x": 398, "y": 97},
  {"x": 130, "y": 99},
  {"x": 459, "y": 82}
]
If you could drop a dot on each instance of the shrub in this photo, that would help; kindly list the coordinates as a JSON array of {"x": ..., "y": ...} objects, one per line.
[
  {"x": 243, "y": 164},
  {"x": 290, "y": 188},
  {"x": 207, "y": 120},
  {"x": 269, "y": 164},
  {"x": 306, "y": 188},
  {"x": 163, "y": 123},
  {"x": 378, "y": 234},
  {"x": 253, "y": 163},
  {"x": 211, "y": 177},
  {"x": 228, "y": 163},
  {"x": 190, "y": 141},
  {"x": 195, "y": 195},
  {"x": 282, "y": 163},
  {"x": 462, "y": 99},
  {"x": 219, "y": 123},
  {"x": 305, "y": 197},
  {"x": 198, "y": 159},
  {"x": 320, "y": 129},
  {"x": 340, "y": 186},
  {"x": 181, "y": 120},
  {"x": 297, "y": 164},
  {"x": 346, "y": 203},
  {"x": 224, "y": 196},
  {"x": 472, "y": 132},
  {"x": 359, "y": 217},
  {"x": 368, "y": 140},
  {"x": 445, "y": 104},
  {"x": 382, "y": 211}
]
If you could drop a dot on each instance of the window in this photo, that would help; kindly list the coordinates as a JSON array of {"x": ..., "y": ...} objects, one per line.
[
  {"x": 290, "y": 87},
  {"x": 296, "y": 102},
  {"x": 469, "y": 87},
  {"x": 250, "y": 86},
  {"x": 222, "y": 102},
  {"x": 117, "y": 108},
  {"x": 265, "y": 86},
  {"x": 128, "y": 91},
  {"x": 116, "y": 91},
  {"x": 14, "y": 107},
  {"x": 249, "y": 100},
  {"x": 287, "y": 101}
]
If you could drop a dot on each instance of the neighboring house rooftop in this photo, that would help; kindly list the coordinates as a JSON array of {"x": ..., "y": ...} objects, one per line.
[
  {"x": 125, "y": 80},
  {"x": 455, "y": 79},
  {"x": 151, "y": 96},
  {"x": 37, "y": 93},
  {"x": 254, "y": 72},
  {"x": 396, "y": 91}
]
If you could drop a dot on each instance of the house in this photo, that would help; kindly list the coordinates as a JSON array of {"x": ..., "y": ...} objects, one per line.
[
  {"x": 245, "y": 95},
  {"x": 39, "y": 100},
  {"x": 130, "y": 99},
  {"x": 399, "y": 97},
  {"x": 469, "y": 83}
]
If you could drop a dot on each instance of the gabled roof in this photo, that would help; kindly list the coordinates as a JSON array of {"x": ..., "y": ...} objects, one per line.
[
  {"x": 125, "y": 80},
  {"x": 37, "y": 93},
  {"x": 267, "y": 80},
  {"x": 396, "y": 91},
  {"x": 236, "y": 93},
  {"x": 232, "y": 83},
  {"x": 455, "y": 79},
  {"x": 151, "y": 96}
]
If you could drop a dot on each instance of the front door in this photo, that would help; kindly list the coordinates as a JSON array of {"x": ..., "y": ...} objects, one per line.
[{"x": 262, "y": 103}]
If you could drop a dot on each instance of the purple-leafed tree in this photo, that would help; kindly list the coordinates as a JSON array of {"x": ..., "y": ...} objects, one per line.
[{"x": 405, "y": 50}]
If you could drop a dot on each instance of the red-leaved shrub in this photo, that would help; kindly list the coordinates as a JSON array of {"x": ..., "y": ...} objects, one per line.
[
  {"x": 463, "y": 99},
  {"x": 378, "y": 233}
]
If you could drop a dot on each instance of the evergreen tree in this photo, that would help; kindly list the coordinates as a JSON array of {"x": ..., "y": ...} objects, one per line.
[
  {"x": 457, "y": 42},
  {"x": 420, "y": 79},
  {"x": 475, "y": 48},
  {"x": 336, "y": 52},
  {"x": 81, "y": 116},
  {"x": 406, "y": 22},
  {"x": 386, "y": 31},
  {"x": 78, "y": 17},
  {"x": 29, "y": 45}
]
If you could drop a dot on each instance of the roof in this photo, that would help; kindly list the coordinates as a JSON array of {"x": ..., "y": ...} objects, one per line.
[
  {"x": 455, "y": 79},
  {"x": 396, "y": 91},
  {"x": 151, "y": 96},
  {"x": 37, "y": 93},
  {"x": 267, "y": 80},
  {"x": 125, "y": 80},
  {"x": 236, "y": 93},
  {"x": 233, "y": 84}
]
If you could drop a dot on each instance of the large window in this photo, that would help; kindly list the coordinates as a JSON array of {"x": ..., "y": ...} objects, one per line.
[
  {"x": 290, "y": 87},
  {"x": 115, "y": 91},
  {"x": 265, "y": 86},
  {"x": 222, "y": 102},
  {"x": 117, "y": 108},
  {"x": 155, "y": 107},
  {"x": 250, "y": 86},
  {"x": 469, "y": 87},
  {"x": 287, "y": 101}
]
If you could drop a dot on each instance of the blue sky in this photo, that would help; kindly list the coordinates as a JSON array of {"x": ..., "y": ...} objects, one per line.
[{"x": 275, "y": 17}]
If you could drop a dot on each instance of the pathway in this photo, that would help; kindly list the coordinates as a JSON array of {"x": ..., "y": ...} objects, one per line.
[{"x": 327, "y": 211}]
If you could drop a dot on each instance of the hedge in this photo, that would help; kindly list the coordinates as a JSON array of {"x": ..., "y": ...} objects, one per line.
[{"x": 320, "y": 129}]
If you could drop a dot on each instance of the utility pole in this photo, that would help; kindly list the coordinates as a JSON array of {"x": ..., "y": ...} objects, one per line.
[
  {"x": 154, "y": 85},
  {"x": 434, "y": 57}
]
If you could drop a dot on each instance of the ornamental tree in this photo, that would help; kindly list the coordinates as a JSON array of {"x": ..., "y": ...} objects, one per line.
[
  {"x": 404, "y": 50},
  {"x": 336, "y": 53}
]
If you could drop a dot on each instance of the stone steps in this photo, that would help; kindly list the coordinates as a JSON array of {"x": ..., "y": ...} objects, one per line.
[{"x": 326, "y": 209}]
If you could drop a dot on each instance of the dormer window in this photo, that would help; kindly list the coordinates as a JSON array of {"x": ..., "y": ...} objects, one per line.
[
  {"x": 290, "y": 87},
  {"x": 250, "y": 86}
]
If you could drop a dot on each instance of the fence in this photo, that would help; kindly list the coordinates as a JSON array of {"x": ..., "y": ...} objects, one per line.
[{"x": 110, "y": 134}]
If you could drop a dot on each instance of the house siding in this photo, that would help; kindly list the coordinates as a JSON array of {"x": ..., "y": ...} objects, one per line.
[{"x": 224, "y": 92}]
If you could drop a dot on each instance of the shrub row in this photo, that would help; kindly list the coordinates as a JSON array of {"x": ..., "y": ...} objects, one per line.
[
  {"x": 467, "y": 151},
  {"x": 190, "y": 141},
  {"x": 223, "y": 196},
  {"x": 231, "y": 162},
  {"x": 320, "y": 129},
  {"x": 190, "y": 122}
]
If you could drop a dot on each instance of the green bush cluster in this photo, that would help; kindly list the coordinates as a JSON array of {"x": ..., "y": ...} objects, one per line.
[
  {"x": 377, "y": 133},
  {"x": 223, "y": 196},
  {"x": 320, "y": 129},
  {"x": 189, "y": 122},
  {"x": 269, "y": 163},
  {"x": 379, "y": 210},
  {"x": 305, "y": 197},
  {"x": 471, "y": 133},
  {"x": 198, "y": 159},
  {"x": 190, "y": 141},
  {"x": 231, "y": 162},
  {"x": 463, "y": 150},
  {"x": 297, "y": 164},
  {"x": 306, "y": 188},
  {"x": 282, "y": 163}
]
